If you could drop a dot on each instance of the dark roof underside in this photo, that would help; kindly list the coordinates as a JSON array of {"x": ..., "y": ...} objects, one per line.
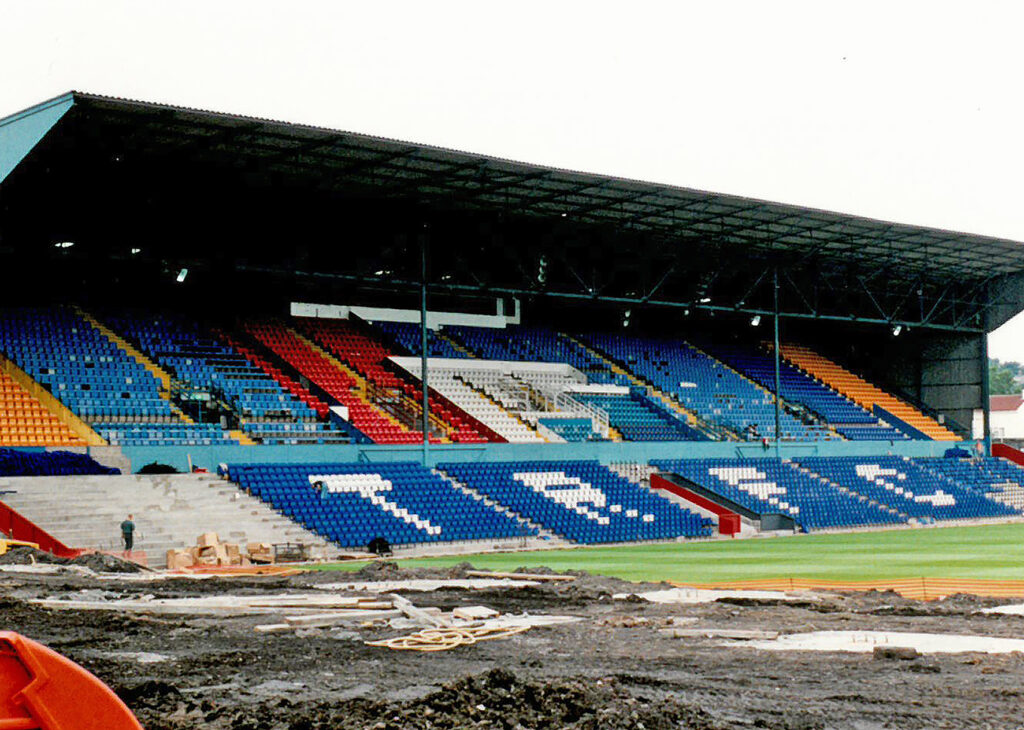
[{"x": 497, "y": 223}]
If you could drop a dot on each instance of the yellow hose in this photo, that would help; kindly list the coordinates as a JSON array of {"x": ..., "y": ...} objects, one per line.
[{"x": 443, "y": 639}]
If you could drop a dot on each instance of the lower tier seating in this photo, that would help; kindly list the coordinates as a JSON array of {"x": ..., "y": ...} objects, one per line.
[
  {"x": 582, "y": 501},
  {"x": 351, "y": 504},
  {"x": 15, "y": 463},
  {"x": 770, "y": 486},
  {"x": 907, "y": 486}
]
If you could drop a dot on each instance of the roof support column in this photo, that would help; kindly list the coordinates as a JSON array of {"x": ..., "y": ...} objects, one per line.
[
  {"x": 986, "y": 410},
  {"x": 424, "y": 385},
  {"x": 778, "y": 394}
]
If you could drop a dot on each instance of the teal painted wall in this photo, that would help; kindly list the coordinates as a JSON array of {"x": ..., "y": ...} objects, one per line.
[{"x": 209, "y": 457}]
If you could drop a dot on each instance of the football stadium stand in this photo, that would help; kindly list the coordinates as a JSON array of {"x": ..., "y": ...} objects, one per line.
[{"x": 584, "y": 332}]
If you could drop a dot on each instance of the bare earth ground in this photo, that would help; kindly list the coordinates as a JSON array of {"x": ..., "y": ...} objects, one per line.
[{"x": 612, "y": 670}]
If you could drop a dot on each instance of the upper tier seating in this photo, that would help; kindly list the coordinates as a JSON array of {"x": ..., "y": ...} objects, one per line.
[
  {"x": 368, "y": 357},
  {"x": 844, "y": 415},
  {"x": 15, "y": 463},
  {"x": 769, "y": 486},
  {"x": 290, "y": 384},
  {"x": 402, "y": 502},
  {"x": 93, "y": 377},
  {"x": 862, "y": 392},
  {"x": 907, "y": 486},
  {"x": 408, "y": 335},
  {"x": 716, "y": 393},
  {"x": 336, "y": 383},
  {"x": 197, "y": 357},
  {"x": 572, "y": 430},
  {"x": 24, "y": 421},
  {"x": 533, "y": 344},
  {"x": 460, "y": 391},
  {"x": 639, "y": 418},
  {"x": 582, "y": 501}
]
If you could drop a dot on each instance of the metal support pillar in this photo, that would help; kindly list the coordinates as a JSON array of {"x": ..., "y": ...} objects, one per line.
[
  {"x": 425, "y": 386},
  {"x": 778, "y": 394},
  {"x": 986, "y": 415}
]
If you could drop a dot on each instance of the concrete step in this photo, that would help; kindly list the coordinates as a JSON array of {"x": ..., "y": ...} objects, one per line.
[{"x": 170, "y": 511}]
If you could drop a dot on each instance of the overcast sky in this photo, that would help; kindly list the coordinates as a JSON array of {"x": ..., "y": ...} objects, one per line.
[{"x": 911, "y": 112}]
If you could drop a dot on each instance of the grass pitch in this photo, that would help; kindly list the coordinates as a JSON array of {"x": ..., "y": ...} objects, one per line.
[{"x": 979, "y": 552}]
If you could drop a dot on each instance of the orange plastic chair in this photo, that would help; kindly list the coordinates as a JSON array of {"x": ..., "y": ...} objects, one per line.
[{"x": 42, "y": 690}]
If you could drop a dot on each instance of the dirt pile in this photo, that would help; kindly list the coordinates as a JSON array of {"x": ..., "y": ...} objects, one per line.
[
  {"x": 22, "y": 555},
  {"x": 495, "y": 699},
  {"x": 98, "y": 562}
]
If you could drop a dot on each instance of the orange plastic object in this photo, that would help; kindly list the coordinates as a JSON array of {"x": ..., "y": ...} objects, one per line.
[{"x": 42, "y": 690}]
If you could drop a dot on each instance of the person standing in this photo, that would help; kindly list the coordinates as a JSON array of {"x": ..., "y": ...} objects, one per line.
[{"x": 128, "y": 534}]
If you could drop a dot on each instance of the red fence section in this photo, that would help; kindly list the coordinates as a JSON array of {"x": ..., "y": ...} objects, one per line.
[
  {"x": 1009, "y": 453},
  {"x": 20, "y": 527},
  {"x": 728, "y": 521}
]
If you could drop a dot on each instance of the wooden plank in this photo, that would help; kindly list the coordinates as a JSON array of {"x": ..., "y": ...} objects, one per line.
[
  {"x": 417, "y": 614},
  {"x": 338, "y": 617}
]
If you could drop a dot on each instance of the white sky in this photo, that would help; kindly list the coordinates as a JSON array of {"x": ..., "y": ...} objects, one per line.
[{"x": 909, "y": 111}]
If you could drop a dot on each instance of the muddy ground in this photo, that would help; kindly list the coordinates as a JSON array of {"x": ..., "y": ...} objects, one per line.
[{"x": 612, "y": 670}]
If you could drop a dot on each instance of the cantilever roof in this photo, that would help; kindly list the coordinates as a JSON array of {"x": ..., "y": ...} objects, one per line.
[{"x": 344, "y": 162}]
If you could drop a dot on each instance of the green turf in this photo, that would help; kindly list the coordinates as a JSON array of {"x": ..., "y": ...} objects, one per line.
[{"x": 989, "y": 551}]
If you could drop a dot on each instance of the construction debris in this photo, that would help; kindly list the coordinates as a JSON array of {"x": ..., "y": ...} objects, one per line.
[
  {"x": 416, "y": 614},
  {"x": 473, "y": 613},
  {"x": 443, "y": 639},
  {"x": 702, "y": 595},
  {"x": 868, "y": 641},
  {"x": 217, "y": 605},
  {"x": 426, "y": 585},
  {"x": 539, "y": 577},
  {"x": 210, "y": 551}
]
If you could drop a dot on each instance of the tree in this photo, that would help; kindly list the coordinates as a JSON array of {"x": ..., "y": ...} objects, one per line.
[{"x": 1002, "y": 378}]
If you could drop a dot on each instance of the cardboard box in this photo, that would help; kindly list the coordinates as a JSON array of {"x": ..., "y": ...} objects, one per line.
[
  {"x": 260, "y": 552},
  {"x": 234, "y": 553},
  {"x": 207, "y": 539},
  {"x": 213, "y": 555},
  {"x": 178, "y": 559}
]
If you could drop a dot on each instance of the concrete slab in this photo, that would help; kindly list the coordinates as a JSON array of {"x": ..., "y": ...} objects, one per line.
[{"x": 867, "y": 641}]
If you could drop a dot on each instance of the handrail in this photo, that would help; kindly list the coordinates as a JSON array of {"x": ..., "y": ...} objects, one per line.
[{"x": 19, "y": 527}]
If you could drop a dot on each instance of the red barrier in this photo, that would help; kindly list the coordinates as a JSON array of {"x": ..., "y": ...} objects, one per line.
[
  {"x": 20, "y": 527},
  {"x": 42, "y": 690},
  {"x": 728, "y": 521},
  {"x": 1009, "y": 453}
]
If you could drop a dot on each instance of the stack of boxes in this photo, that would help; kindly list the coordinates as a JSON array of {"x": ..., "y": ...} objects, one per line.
[{"x": 210, "y": 551}]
